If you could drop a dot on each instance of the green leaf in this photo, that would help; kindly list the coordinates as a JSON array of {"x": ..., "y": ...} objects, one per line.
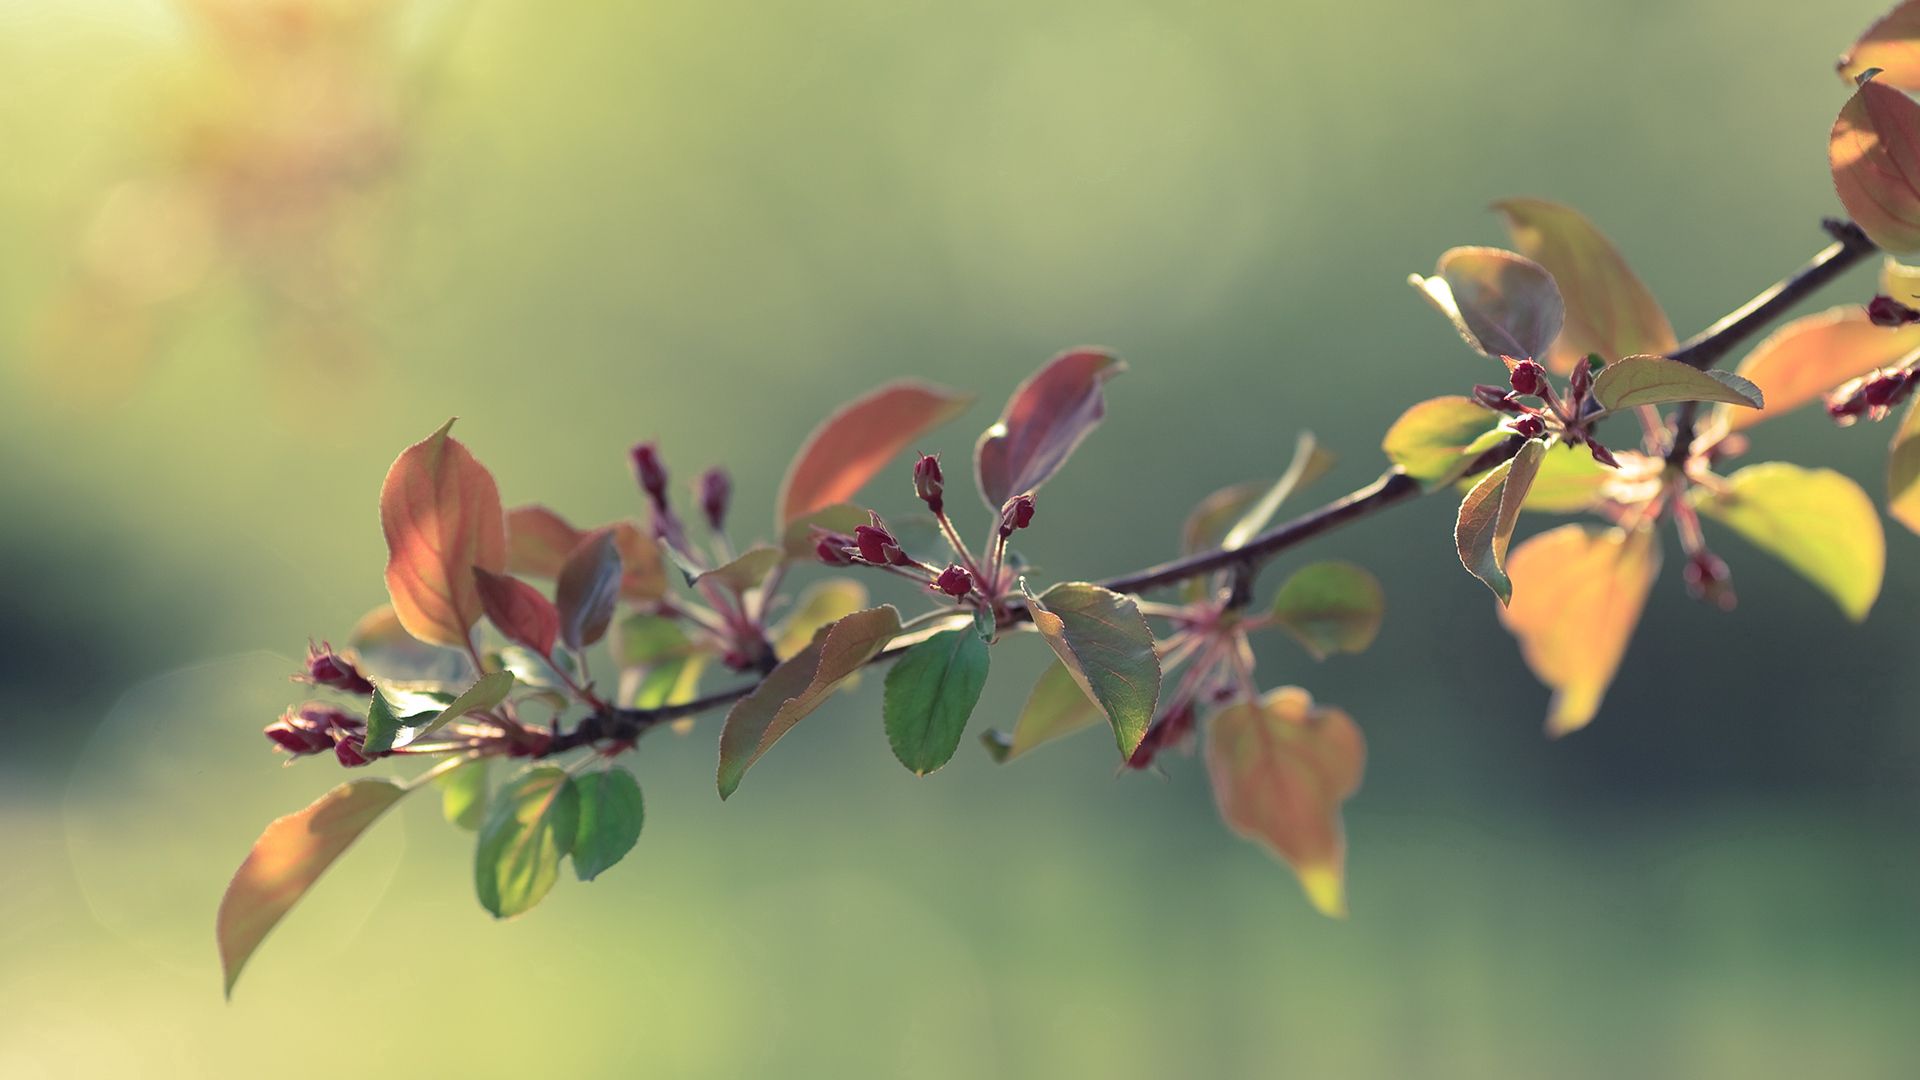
[
  {"x": 797, "y": 686},
  {"x": 1815, "y": 520},
  {"x": 611, "y": 813},
  {"x": 930, "y": 693},
  {"x": 820, "y": 605},
  {"x": 747, "y": 571},
  {"x": 1056, "y": 708},
  {"x": 388, "y": 731},
  {"x": 530, "y": 829},
  {"x": 285, "y": 862},
  {"x": 1331, "y": 607},
  {"x": 1436, "y": 440},
  {"x": 1568, "y": 480},
  {"x": 1903, "y": 471},
  {"x": 797, "y": 539},
  {"x": 1501, "y": 304},
  {"x": 1656, "y": 380},
  {"x": 1489, "y": 513},
  {"x": 1105, "y": 644},
  {"x": 463, "y": 794}
]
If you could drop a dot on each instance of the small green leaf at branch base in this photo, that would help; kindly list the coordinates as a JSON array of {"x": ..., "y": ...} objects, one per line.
[
  {"x": 1056, "y": 708},
  {"x": 611, "y": 813},
  {"x": 388, "y": 730},
  {"x": 1815, "y": 520},
  {"x": 1106, "y": 646},
  {"x": 1488, "y": 515},
  {"x": 463, "y": 794},
  {"x": 1330, "y": 607},
  {"x": 531, "y": 827},
  {"x": 1656, "y": 380},
  {"x": 1436, "y": 440},
  {"x": 930, "y": 693}
]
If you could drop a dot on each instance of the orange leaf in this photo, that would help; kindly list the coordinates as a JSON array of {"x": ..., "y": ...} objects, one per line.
[
  {"x": 1578, "y": 591},
  {"x": 1609, "y": 310},
  {"x": 287, "y": 859},
  {"x": 853, "y": 444},
  {"x": 1045, "y": 419},
  {"x": 1281, "y": 767},
  {"x": 1809, "y": 356},
  {"x": 518, "y": 610},
  {"x": 441, "y": 515},
  {"x": 1875, "y": 154},
  {"x": 1893, "y": 45},
  {"x": 539, "y": 541}
]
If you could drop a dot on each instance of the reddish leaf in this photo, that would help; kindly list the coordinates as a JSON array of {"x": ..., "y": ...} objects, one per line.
[
  {"x": 644, "y": 574},
  {"x": 1609, "y": 310},
  {"x": 287, "y": 859},
  {"x": 1810, "y": 356},
  {"x": 1892, "y": 45},
  {"x": 1489, "y": 513},
  {"x": 1280, "y": 768},
  {"x": 518, "y": 610},
  {"x": 1044, "y": 420},
  {"x": 588, "y": 587},
  {"x": 538, "y": 541},
  {"x": 852, "y": 445},
  {"x": 1500, "y": 303},
  {"x": 1875, "y": 154},
  {"x": 441, "y": 515}
]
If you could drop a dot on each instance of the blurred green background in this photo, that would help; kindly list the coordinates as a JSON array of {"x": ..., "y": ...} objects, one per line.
[{"x": 575, "y": 226}]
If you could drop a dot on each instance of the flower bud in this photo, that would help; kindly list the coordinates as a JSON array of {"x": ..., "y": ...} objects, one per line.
[
  {"x": 651, "y": 474},
  {"x": 1016, "y": 514},
  {"x": 873, "y": 542},
  {"x": 328, "y": 668},
  {"x": 1602, "y": 455},
  {"x": 1168, "y": 730},
  {"x": 296, "y": 736},
  {"x": 928, "y": 483},
  {"x": 1886, "y": 311},
  {"x": 955, "y": 582},
  {"x": 1528, "y": 426},
  {"x": 1497, "y": 398},
  {"x": 351, "y": 752},
  {"x": 716, "y": 491},
  {"x": 832, "y": 549},
  {"x": 1709, "y": 579},
  {"x": 1529, "y": 378}
]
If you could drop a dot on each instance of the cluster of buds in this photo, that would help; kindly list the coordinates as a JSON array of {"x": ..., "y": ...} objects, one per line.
[
  {"x": 1708, "y": 579},
  {"x": 1571, "y": 416},
  {"x": 317, "y": 728},
  {"x": 329, "y": 669},
  {"x": 1886, "y": 311},
  {"x": 1871, "y": 396},
  {"x": 715, "y": 492}
]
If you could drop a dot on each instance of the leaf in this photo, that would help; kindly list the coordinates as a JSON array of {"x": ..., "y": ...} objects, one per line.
[
  {"x": 440, "y": 512},
  {"x": 1578, "y": 594},
  {"x": 1056, "y": 708},
  {"x": 588, "y": 588},
  {"x": 746, "y": 572},
  {"x": 1045, "y": 419},
  {"x": 611, "y": 813},
  {"x": 518, "y": 611},
  {"x": 658, "y": 663},
  {"x": 285, "y": 862},
  {"x": 1331, "y": 607},
  {"x": 387, "y": 730},
  {"x": 1435, "y": 441},
  {"x": 1875, "y": 154},
  {"x": 1488, "y": 515},
  {"x": 1891, "y": 45},
  {"x": 463, "y": 794},
  {"x": 930, "y": 693},
  {"x": 1656, "y": 380},
  {"x": 797, "y": 686},
  {"x": 1609, "y": 310},
  {"x": 1281, "y": 767},
  {"x": 1106, "y": 646},
  {"x": 856, "y": 442},
  {"x": 822, "y": 603},
  {"x": 531, "y": 827},
  {"x": 1502, "y": 304},
  {"x": 1309, "y": 463},
  {"x": 1233, "y": 515},
  {"x": 1815, "y": 520},
  {"x": 538, "y": 541},
  {"x": 1903, "y": 472},
  {"x": 1809, "y": 356},
  {"x": 797, "y": 540},
  {"x": 643, "y": 575},
  {"x": 1897, "y": 280},
  {"x": 386, "y": 653},
  {"x": 1569, "y": 480}
]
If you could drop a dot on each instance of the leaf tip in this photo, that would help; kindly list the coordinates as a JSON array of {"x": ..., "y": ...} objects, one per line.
[{"x": 1326, "y": 889}]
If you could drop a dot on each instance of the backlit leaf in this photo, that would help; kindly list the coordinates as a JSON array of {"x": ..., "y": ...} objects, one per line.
[
  {"x": 538, "y": 541},
  {"x": 390, "y": 729},
  {"x": 797, "y": 686},
  {"x": 1436, "y": 440},
  {"x": 532, "y": 826},
  {"x": 463, "y": 794},
  {"x": 1569, "y": 480},
  {"x": 1874, "y": 151},
  {"x": 1815, "y": 520},
  {"x": 1331, "y": 607},
  {"x": 386, "y": 653},
  {"x": 1056, "y": 708},
  {"x": 797, "y": 539},
  {"x": 1809, "y": 356},
  {"x": 1501, "y": 303},
  {"x": 588, "y": 588},
  {"x": 930, "y": 693},
  {"x": 1489, "y": 513},
  {"x": 1892, "y": 45},
  {"x": 1281, "y": 768},
  {"x": 747, "y": 570},
  {"x": 855, "y": 443},
  {"x": 1044, "y": 421},
  {"x": 1656, "y": 380},
  {"x": 1609, "y": 310},
  {"x": 518, "y": 611},
  {"x": 440, "y": 512},
  {"x": 1105, "y": 644},
  {"x": 1578, "y": 594},
  {"x": 611, "y": 813},
  {"x": 287, "y": 859},
  {"x": 819, "y": 605},
  {"x": 1903, "y": 471}
]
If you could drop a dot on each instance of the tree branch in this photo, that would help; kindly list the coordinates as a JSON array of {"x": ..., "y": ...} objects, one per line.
[{"x": 1702, "y": 351}]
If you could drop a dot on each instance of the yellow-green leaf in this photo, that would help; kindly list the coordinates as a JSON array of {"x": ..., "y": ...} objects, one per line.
[
  {"x": 1903, "y": 471},
  {"x": 1874, "y": 151},
  {"x": 1809, "y": 356},
  {"x": 1489, "y": 513},
  {"x": 1105, "y": 644},
  {"x": 1815, "y": 520},
  {"x": 463, "y": 794},
  {"x": 531, "y": 827},
  {"x": 1891, "y": 46},
  {"x": 1609, "y": 310},
  {"x": 1501, "y": 303},
  {"x": 1056, "y": 708},
  {"x": 1331, "y": 607},
  {"x": 1568, "y": 480},
  {"x": 819, "y": 605},
  {"x": 1578, "y": 594},
  {"x": 1656, "y": 380},
  {"x": 1281, "y": 767},
  {"x": 747, "y": 570},
  {"x": 1436, "y": 440}
]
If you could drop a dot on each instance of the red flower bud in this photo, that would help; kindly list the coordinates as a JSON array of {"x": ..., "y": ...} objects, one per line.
[
  {"x": 716, "y": 490},
  {"x": 1887, "y": 390},
  {"x": 873, "y": 542},
  {"x": 1016, "y": 514},
  {"x": 1168, "y": 730},
  {"x": 955, "y": 582},
  {"x": 651, "y": 474},
  {"x": 1886, "y": 311},
  {"x": 1602, "y": 455},
  {"x": 1529, "y": 377},
  {"x": 832, "y": 549},
  {"x": 1529, "y": 426},
  {"x": 294, "y": 735},
  {"x": 928, "y": 483},
  {"x": 1709, "y": 579},
  {"x": 1581, "y": 379},
  {"x": 1497, "y": 398},
  {"x": 351, "y": 752},
  {"x": 328, "y": 668}
]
